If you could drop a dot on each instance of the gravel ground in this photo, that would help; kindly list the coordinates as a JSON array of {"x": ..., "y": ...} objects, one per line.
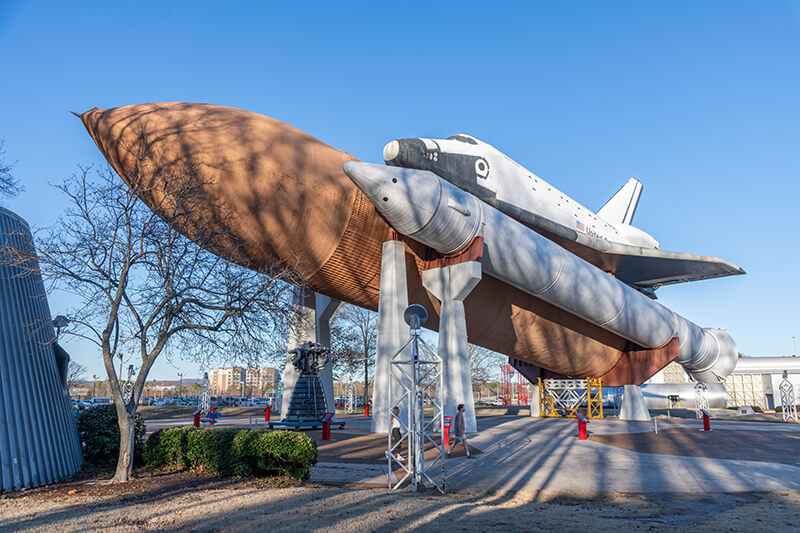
[{"x": 194, "y": 503}]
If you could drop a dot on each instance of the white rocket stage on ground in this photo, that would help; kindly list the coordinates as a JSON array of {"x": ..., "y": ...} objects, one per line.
[{"x": 444, "y": 193}]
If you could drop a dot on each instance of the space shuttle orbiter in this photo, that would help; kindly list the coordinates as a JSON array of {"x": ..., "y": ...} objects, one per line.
[{"x": 607, "y": 238}]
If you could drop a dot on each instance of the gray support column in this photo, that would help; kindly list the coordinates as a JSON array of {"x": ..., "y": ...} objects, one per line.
[
  {"x": 393, "y": 332},
  {"x": 634, "y": 407},
  {"x": 451, "y": 285},
  {"x": 533, "y": 396},
  {"x": 302, "y": 329},
  {"x": 325, "y": 306}
]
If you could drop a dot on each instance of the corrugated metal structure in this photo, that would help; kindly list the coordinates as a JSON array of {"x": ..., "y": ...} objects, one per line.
[{"x": 39, "y": 441}]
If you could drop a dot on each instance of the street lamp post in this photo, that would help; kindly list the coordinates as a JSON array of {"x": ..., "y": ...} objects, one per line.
[
  {"x": 180, "y": 385},
  {"x": 95, "y": 377}
]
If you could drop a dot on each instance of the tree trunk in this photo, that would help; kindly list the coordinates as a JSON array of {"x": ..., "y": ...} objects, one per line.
[{"x": 126, "y": 446}]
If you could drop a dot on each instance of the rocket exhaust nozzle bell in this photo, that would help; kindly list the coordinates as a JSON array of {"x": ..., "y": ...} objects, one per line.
[{"x": 391, "y": 151}]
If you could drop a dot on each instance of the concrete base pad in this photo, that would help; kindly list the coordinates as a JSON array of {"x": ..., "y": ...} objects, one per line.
[
  {"x": 532, "y": 455},
  {"x": 769, "y": 447}
]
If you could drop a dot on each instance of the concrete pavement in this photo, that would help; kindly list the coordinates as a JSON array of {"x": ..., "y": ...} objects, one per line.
[{"x": 533, "y": 454}]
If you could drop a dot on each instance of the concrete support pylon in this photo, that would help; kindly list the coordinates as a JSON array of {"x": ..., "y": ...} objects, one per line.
[
  {"x": 634, "y": 408},
  {"x": 451, "y": 285},
  {"x": 533, "y": 392},
  {"x": 393, "y": 331},
  {"x": 310, "y": 321},
  {"x": 325, "y": 308}
]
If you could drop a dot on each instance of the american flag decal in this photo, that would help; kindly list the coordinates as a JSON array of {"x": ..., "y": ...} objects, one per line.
[{"x": 580, "y": 225}]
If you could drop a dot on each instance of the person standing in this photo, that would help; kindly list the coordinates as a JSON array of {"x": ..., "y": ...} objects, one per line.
[
  {"x": 396, "y": 431},
  {"x": 459, "y": 434}
]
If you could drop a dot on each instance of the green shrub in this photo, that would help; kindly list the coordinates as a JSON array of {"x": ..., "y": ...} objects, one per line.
[
  {"x": 209, "y": 450},
  {"x": 166, "y": 448},
  {"x": 285, "y": 453},
  {"x": 228, "y": 451},
  {"x": 99, "y": 433}
]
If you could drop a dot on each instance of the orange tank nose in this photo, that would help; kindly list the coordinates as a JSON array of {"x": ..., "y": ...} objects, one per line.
[{"x": 284, "y": 191}]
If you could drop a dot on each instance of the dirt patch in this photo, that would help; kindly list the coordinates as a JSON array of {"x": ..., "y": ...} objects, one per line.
[
  {"x": 767, "y": 446},
  {"x": 186, "y": 502}
]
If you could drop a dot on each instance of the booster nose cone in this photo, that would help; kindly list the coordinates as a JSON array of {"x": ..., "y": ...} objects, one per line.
[
  {"x": 419, "y": 204},
  {"x": 406, "y": 200},
  {"x": 391, "y": 150}
]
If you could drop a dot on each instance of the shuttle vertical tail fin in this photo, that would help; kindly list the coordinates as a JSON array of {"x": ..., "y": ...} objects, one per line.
[{"x": 622, "y": 206}]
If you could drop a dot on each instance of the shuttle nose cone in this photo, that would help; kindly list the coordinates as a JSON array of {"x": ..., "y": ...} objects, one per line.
[
  {"x": 408, "y": 153},
  {"x": 391, "y": 150}
]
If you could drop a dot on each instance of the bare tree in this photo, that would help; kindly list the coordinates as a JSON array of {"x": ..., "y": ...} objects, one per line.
[
  {"x": 484, "y": 364},
  {"x": 144, "y": 288},
  {"x": 353, "y": 334},
  {"x": 9, "y": 185},
  {"x": 75, "y": 372}
]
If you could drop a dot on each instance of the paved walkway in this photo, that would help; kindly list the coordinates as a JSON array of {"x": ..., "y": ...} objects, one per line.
[{"x": 533, "y": 454}]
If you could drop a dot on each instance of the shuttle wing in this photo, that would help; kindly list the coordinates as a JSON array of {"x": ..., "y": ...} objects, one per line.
[{"x": 645, "y": 269}]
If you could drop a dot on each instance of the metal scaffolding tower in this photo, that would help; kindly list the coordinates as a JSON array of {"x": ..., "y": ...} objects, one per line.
[
  {"x": 416, "y": 385},
  {"x": 204, "y": 400},
  {"x": 701, "y": 399},
  {"x": 788, "y": 404}
]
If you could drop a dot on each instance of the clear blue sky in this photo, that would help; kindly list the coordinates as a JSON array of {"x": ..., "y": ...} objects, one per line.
[{"x": 699, "y": 100}]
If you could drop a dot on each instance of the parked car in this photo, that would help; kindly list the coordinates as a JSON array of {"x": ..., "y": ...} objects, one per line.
[{"x": 99, "y": 400}]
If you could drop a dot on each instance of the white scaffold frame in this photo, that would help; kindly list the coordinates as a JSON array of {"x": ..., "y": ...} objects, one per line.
[
  {"x": 127, "y": 387},
  {"x": 204, "y": 398},
  {"x": 416, "y": 374},
  {"x": 788, "y": 403},
  {"x": 350, "y": 405},
  {"x": 700, "y": 399}
]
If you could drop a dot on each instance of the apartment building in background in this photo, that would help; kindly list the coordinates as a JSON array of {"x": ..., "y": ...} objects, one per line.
[{"x": 242, "y": 381}]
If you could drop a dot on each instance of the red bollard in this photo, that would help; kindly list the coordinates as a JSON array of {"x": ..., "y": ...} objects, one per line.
[
  {"x": 197, "y": 415},
  {"x": 706, "y": 420},
  {"x": 582, "y": 421},
  {"x": 448, "y": 421},
  {"x": 366, "y": 411},
  {"x": 326, "y": 425},
  {"x": 267, "y": 413}
]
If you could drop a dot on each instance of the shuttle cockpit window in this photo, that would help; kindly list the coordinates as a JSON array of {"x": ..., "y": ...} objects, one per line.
[{"x": 463, "y": 138}]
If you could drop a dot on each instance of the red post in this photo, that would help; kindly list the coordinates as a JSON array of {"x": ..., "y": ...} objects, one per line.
[
  {"x": 582, "y": 421},
  {"x": 366, "y": 410},
  {"x": 267, "y": 413},
  {"x": 706, "y": 422},
  {"x": 197, "y": 415},
  {"x": 326, "y": 430},
  {"x": 448, "y": 421}
]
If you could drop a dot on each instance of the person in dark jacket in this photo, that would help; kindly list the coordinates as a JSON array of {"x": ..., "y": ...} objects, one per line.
[{"x": 459, "y": 432}]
